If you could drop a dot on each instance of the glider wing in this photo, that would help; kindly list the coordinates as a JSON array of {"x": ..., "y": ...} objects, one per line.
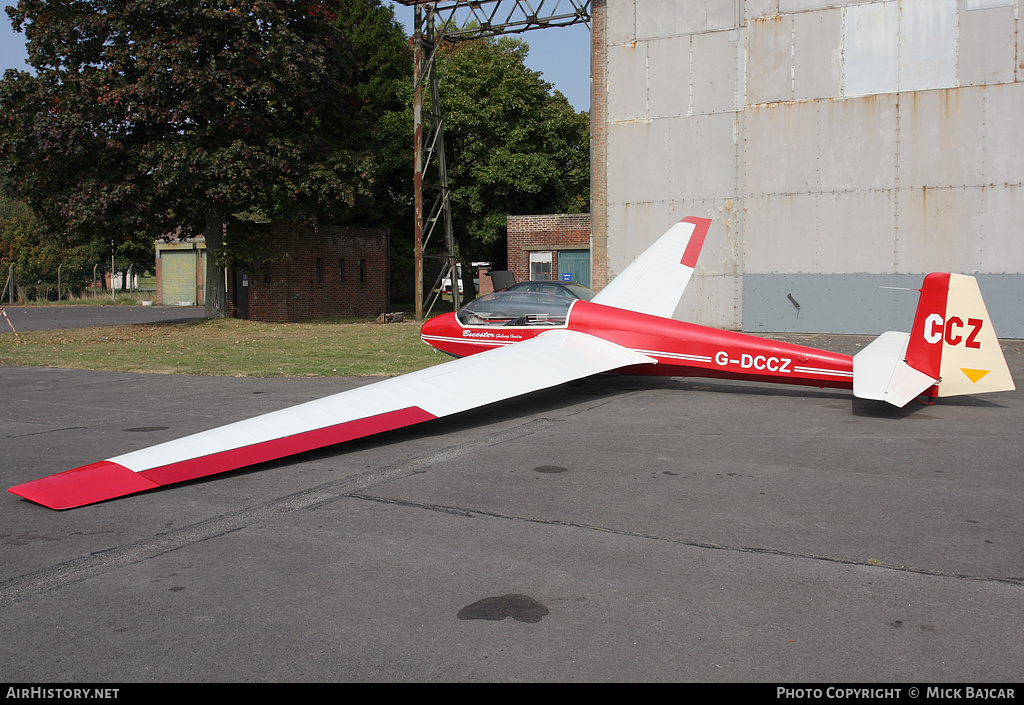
[{"x": 545, "y": 361}]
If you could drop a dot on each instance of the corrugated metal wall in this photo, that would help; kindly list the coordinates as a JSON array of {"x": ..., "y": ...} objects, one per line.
[{"x": 838, "y": 146}]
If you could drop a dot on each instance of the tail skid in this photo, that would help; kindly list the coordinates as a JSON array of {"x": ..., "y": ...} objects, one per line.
[{"x": 951, "y": 350}]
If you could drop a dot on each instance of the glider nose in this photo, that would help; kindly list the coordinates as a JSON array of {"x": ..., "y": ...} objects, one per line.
[{"x": 438, "y": 328}]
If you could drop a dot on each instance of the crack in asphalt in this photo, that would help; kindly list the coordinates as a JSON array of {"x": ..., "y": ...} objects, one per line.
[{"x": 462, "y": 511}]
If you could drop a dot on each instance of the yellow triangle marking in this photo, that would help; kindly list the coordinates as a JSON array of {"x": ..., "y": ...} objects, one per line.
[{"x": 974, "y": 375}]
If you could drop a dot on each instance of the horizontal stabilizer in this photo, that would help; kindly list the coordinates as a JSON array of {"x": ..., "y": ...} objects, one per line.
[{"x": 881, "y": 372}]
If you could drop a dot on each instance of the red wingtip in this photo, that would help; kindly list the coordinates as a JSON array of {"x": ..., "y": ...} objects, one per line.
[
  {"x": 91, "y": 483},
  {"x": 693, "y": 247}
]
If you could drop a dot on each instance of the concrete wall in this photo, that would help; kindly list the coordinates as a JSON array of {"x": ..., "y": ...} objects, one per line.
[{"x": 837, "y": 145}]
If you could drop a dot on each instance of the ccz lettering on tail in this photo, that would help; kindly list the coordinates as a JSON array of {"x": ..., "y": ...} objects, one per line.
[{"x": 935, "y": 330}]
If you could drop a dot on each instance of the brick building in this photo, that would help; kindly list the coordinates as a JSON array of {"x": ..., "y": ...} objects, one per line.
[
  {"x": 550, "y": 247},
  {"x": 330, "y": 271}
]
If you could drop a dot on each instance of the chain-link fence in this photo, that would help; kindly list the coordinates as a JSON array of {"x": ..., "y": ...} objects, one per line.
[{"x": 69, "y": 282}]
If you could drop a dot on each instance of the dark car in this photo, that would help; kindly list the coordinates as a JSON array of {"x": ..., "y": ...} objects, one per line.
[
  {"x": 531, "y": 303},
  {"x": 571, "y": 290}
]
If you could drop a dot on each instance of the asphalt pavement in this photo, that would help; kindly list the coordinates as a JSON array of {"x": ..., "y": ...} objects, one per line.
[
  {"x": 26, "y": 318},
  {"x": 625, "y": 529}
]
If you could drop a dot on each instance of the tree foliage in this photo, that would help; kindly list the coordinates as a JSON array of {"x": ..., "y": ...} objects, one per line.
[
  {"x": 146, "y": 115},
  {"x": 514, "y": 145}
]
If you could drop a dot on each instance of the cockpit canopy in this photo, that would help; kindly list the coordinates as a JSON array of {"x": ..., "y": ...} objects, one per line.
[{"x": 532, "y": 303}]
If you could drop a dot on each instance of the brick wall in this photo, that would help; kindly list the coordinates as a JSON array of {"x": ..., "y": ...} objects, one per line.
[
  {"x": 531, "y": 233},
  {"x": 330, "y": 271}
]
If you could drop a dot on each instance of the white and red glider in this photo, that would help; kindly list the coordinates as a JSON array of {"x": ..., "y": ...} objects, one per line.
[{"x": 952, "y": 349}]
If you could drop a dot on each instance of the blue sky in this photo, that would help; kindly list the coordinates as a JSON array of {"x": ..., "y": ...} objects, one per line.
[{"x": 561, "y": 54}]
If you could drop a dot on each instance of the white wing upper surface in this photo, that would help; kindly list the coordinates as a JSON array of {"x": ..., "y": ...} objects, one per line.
[
  {"x": 654, "y": 282},
  {"x": 545, "y": 361}
]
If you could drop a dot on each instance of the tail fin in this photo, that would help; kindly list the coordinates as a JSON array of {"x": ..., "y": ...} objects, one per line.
[
  {"x": 952, "y": 349},
  {"x": 654, "y": 282}
]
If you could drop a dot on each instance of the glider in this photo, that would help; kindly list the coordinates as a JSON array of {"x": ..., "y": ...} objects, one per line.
[{"x": 626, "y": 328}]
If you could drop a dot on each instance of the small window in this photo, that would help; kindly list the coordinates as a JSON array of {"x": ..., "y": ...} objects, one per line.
[
  {"x": 362, "y": 271},
  {"x": 540, "y": 266},
  {"x": 341, "y": 269}
]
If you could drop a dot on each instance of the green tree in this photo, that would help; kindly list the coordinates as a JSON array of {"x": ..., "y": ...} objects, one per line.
[
  {"x": 145, "y": 115},
  {"x": 514, "y": 145}
]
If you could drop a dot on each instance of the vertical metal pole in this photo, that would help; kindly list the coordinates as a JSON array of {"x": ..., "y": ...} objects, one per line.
[{"x": 417, "y": 111}]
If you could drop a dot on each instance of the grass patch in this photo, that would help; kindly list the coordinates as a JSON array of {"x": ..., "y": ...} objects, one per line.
[
  {"x": 230, "y": 347},
  {"x": 121, "y": 298}
]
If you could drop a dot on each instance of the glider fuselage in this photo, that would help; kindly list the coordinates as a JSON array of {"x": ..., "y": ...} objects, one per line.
[{"x": 681, "y": 349}]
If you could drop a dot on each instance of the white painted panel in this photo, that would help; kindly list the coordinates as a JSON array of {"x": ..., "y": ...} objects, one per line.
[
  {"x": 941, "y": 138},
  {"x": 627, "y": 82},
  {"x": 964, "y": 230},
  {"x": 928, "y": 35},
  {"x": 721, "y": 15},
  {"x": 870, "y": 48},
  {"x": 986, "y": 47},
  {"x": 712, "y": 300},
  {"x": 754, "y": 9},
  {"x": 633, "y": 170},
  {"x": 817, "y": 54},
  {"x": 714, "y": 71},
  {"x": 669, "y": 76},
  {"x": 621, "y": 25},
  {"x": 780, "y": 148},
  {"x": 819, "y": 233},
  {"x": 769, "y": 60},
  {"x": 855, "y": 143},
  {"x": 704, "y": 151},
  {"x": 1003, "y": 154},
  {"x": 985, "y": 4},
  {"x": 656, "y": 18}
]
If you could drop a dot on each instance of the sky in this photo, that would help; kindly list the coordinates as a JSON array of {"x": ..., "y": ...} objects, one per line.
[{"x": 561, "y": 54}]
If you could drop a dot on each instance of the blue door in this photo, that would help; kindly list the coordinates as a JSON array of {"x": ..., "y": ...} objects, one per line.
[{"x": 574, "y": 265}]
